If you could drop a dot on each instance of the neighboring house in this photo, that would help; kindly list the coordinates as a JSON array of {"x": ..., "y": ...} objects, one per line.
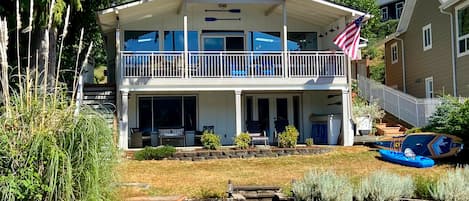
[
  {"x": 390, "y": 9},
  {"x": 189, "y": 65},
  {"x": 429, "y": 53}
]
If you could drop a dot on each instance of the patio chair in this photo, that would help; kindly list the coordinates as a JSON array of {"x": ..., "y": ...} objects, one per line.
[
  {"x": 280, "y": 125},
  {"x": 255, "y": 131}
]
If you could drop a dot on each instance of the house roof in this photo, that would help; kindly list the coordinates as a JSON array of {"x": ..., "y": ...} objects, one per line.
[
  {"x": 319, "y": 12},
  {"x": 405, "y": 17},
  {"x": 447, "y": 3}
]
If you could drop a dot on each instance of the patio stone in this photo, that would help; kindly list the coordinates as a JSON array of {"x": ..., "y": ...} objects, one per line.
[
  {"x": 223, "y": 157},
  {"x": 190, "y": 154},
  {"x": 249, "y": 156},
  {"x": 236, "y": 156},
  {"x": 211, "y": 157},
  {"x": 216, "y": 153},
  {"x": 186, "y": 158},
  {"x": 203, "y": 154},
  {"x": 178, "y": 155},
  {"x": 260, "y": 155}
]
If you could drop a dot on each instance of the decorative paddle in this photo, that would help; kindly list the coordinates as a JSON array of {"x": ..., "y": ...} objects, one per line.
[
  {"x": 229, "y": 11},
  {"x": 213, "y": 19}
]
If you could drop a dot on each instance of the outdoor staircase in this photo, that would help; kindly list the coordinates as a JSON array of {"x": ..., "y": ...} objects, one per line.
[{"x": 103, "y": 99}]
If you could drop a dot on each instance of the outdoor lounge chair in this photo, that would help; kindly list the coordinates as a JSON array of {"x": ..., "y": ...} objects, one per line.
[{"x": 256, "y": 132}]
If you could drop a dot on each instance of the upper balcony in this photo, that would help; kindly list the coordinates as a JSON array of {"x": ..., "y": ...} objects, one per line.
[{"x": 233, "y": 67}]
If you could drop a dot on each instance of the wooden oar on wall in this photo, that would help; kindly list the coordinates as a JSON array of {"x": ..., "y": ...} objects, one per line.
[
  {"x": 229, "y": 11},
  {"x": 213, "y": 19}
]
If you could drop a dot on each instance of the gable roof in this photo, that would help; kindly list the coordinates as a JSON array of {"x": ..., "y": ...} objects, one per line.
[{"x": 405, "y": 17}]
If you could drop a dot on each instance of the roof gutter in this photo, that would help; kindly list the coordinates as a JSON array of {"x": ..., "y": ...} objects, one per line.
[{"x": 453, "y": 56}]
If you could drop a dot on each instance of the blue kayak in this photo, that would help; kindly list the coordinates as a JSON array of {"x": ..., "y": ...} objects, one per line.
[{"x": 400, "y": 158}]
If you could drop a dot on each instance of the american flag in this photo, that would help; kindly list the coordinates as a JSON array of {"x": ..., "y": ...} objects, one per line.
[{"x": 348, "y": 39}]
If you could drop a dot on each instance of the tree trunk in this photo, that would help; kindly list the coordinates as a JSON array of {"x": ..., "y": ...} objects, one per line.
[{"x": 39, "y": 44}]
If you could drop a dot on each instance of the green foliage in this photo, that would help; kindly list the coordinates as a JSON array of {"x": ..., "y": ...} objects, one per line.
[
  {"x": 413, "y": 130},
  {"x": 48, "y": 154},
  {"x": 319, "y": 185},
  {"x": 207, "y": 193},
  {"x": 451, "y": 117},
  {"x": 242, "y": 140},
  {"x": 453, "y": 186},
  {"x": 384, "y": 186},
  {"x": 149, "y": 153},
  {"x": 289, "y": 137},
  {"x": 422, "y": 187},
  {"x": 309, "y": 142},
  {"x": 371, "y": 27},
  {"x": 210, "y": 140},
  {"x": 377, "y": 72}
]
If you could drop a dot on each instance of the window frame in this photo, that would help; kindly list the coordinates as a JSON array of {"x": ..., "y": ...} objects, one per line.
[
  {"x": 428, "y": 28},
  {"x": 398, "y": 15},
  {"x": 464, "y": 37},
  {"x": 382, "y": 13},
  {"x": 394, "y": 57},
  {"x": 428, "y": 92}
]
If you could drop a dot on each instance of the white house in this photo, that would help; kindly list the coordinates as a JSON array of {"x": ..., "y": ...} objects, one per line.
[{"x": 185, "y": 65}]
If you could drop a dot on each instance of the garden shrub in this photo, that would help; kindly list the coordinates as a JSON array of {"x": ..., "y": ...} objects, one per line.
[
  {"x": 309, "y": 142},
  {"x": 452, "y": 186},
  {"x": 242, "y": 140},
  {"x": 451, "y": 117},
  {"x": 422, "y": 187},
  {"x": 384, "y": 186},
  {"x": 289, "y": 137},
  {"x": 210, "y": 140},
  {"x": 319, "y": 185},
  {"x": 149, "y": 153}
]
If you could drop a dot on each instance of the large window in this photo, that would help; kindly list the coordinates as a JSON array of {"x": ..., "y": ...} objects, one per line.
[
  {"x": 427, "y": 37},
  {"x": 399, "y": 8},
  {"x": 394, "y": 53},
  {"x": 272, "y": 41},
  {"x": 384, "y": 13},
  {"x": 174, "y": 40},
  {"x": 141, "y": 41},
  {"x": 463, "y": 29},
  {"x": 302, "y": 41},
  {"x": 167, "y": 112}
]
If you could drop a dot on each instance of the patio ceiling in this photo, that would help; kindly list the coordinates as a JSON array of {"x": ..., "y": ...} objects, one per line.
[{"x": 318, "y": 12}]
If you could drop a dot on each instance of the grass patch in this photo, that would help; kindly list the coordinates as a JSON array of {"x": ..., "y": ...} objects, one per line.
[{"x": 191, "y": 178}]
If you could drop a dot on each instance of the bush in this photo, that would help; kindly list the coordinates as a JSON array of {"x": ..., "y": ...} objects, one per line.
[
  {"x": 453, "y": 186},
  {"x": 289, "y": 137},
  {"x": 242, "y": 140},
  {"x": 361, "y": 108},
  {"x": 309, "y": 142},
  {"x": 422, "y": 187},
  {"x": 451, "y": 117},
  {"x": 210, "y": 140},
  {"x": 384, "y": 186},
  {"x": 149, "y": 153},
  {"x": 318, "y": 185}
]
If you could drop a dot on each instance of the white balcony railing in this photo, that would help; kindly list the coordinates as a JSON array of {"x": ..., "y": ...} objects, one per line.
[{"x": 233, "y": 64}]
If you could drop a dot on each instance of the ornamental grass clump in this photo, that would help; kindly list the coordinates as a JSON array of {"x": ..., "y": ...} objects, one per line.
[
  {"x": 320, "y": 185},
  {"x": 50, "y": 147},
  {"x": 384, "y": 186},
  {"x": 454, "y": 185}
]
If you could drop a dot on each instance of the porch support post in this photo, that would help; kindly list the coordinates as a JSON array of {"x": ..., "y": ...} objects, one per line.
[
  {"x": 238, "y": 111},
  {"x": 346, "y": 118},
  {"x": 285, "y": 39},
  {"x": 124, "y": 123},
  {"x": 186, "y": 42}
]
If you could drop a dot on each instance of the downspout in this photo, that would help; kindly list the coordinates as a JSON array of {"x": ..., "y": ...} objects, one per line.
[
  {"x": 453, "y": 58},
  {"x": 404, "y": 87}
]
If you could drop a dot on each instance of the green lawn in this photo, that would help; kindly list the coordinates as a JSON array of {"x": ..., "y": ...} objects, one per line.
[{"x": 193, "y": 179}]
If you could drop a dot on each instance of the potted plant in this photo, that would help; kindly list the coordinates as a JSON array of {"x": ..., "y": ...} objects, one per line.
[{"x": 365, "y": 114}]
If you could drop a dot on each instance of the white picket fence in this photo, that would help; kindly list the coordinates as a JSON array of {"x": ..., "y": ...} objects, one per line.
[{"x": 415, "y": 111}]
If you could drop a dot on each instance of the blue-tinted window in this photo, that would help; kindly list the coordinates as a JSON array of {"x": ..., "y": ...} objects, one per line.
[
  {"x": 265, "y": 41},
  {"x": 271, "y": 41},
  {"x": 302, "y": 41},
  {"x": 141, "y": 41},
  {"x": 174, "y": 40}
]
